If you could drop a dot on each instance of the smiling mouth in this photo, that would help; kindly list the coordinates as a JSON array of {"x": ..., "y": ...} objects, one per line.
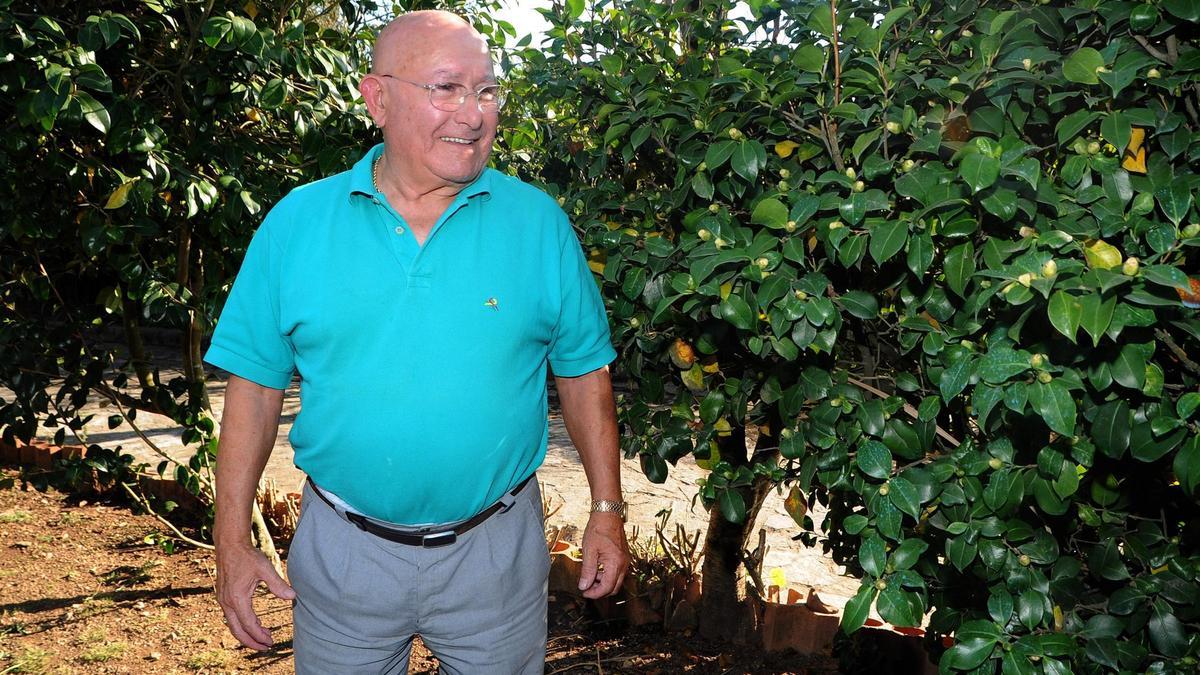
[{"x": 455, "y": 139}]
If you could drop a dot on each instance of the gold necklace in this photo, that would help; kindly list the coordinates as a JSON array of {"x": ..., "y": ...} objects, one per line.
[{"x": 375, "y": 173}]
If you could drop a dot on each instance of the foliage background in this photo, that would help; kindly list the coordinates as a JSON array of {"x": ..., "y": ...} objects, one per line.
[{"x": 887, "y": 257}]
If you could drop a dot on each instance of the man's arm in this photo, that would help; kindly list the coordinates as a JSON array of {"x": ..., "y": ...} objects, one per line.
[
  {"x": 248, "y": 428},
  {"x": 591, "y": 418}
]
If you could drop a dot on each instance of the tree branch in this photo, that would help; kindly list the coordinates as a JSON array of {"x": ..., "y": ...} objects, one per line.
[{"x": 908, "y": 408}]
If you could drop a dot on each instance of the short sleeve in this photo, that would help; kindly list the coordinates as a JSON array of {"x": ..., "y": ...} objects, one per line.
[
  {"x": 581, "y": 342},
  {"x": 248, "y": 340}
]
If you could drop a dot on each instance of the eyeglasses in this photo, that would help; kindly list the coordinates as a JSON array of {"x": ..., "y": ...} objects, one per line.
[{"x": 450, "y": 96}]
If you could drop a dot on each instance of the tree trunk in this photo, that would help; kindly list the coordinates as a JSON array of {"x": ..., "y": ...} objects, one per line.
[
  {"x": 724, "y": 611},
  {"x": 130, "y": 319}
]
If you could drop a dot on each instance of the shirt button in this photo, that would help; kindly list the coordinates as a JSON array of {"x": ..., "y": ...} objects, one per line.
[{"x": 399, "y": 230}]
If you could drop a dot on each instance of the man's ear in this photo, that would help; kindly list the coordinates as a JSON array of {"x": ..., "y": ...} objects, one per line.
[{"x": 371, "y": 89}]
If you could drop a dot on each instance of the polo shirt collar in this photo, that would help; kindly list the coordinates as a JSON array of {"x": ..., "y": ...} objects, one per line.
[{"x": 363, "y": 182}]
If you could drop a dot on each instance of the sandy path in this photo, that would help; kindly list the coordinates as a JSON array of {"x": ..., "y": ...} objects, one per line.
[{"x": 563, "y": 482}]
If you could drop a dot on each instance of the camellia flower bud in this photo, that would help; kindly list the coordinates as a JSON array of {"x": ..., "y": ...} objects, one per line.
[
  {"x": 851, "y": 173},
  {"x": 1026, "y": 232},
  {"x": 1027, "y": 64},
  {"x": 1130, "y": 267},
  {"x": 704, "y": 235},
  {"x": 1049, "y": 269},
  {"x": 893, "y": 127}
]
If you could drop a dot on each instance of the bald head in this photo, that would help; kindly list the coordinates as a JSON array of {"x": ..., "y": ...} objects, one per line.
[{"x": 403, "y": 38}]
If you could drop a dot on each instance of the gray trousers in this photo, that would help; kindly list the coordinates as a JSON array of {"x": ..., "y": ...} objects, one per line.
[{"x": 479, "y": 604}]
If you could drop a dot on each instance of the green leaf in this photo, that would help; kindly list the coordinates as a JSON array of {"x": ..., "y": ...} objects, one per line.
[
  {"x": 274, "y": 93},
  {"x": 1188, "y": 10},
  {"x": 872, "y": 555},
  {"x": 1166, "y": 275},
  {"x": 960, "y": 267},
  {"x": 93, "y": 112},
  {"x": 747, "y": 159},
  {"x": 979, "y": 170},
  {"x": 875, "y": 460},
  {"x": 887, "y": 239},
  {"x": 1000, "y": 606},
  {"x": 899, "y": 607},
  {"x": 1065, "y": 312},
  {"x": 1167, "y": 632},
  {"x": 1129, "y": 369},
  {"x": 920, "y": 253},
  {"x": 809, "y": 58},
  {"x": 1187, "y": 404},
  {"x": 1002, "y": 203},
  {"x": 1030, "y": 608},
  {"x": 1175, "y": 200},
  {"x": 1056, "y": 406},
  {"x": 961, "y": 551},
  {"x": 733, "y": 507},
  {"x": 1111, "y": 428},
  {"x": 1002, "y": 363},
  {"x": 905, "y": 496},
  {"x": 968, "y": 653},
  {"x": 770, "y": 212},
  {"x": 120, "y": 196},
  {"x": 1070, "y": 126},
  {"x": 1116, "y": 129},
  {"x": 735, "y": 310},
  {"x": 654, "y": 467},
  {"x": 955, "y": 378},
  {"x": 718, "y": 153},
  {"x": 1081, "y": 66},
  {"x": 908, "y": 553},
  {"x": 858, "y": 608},
  {"x": 1104, "y": 561},
  {"x": 861, "y": 304},
  {"x": 1095, "y": 315},
  {"x": 1187, "y": 465}
]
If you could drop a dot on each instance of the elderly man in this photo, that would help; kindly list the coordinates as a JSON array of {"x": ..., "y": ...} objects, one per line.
[{"x": 421, "y": 298}]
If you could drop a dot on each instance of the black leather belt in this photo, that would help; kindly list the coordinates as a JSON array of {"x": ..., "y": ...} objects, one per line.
[{"x": 420, "y": 538}]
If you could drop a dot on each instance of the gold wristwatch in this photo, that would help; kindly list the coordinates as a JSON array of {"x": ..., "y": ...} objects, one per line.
[{"x": 609, "y": 506}]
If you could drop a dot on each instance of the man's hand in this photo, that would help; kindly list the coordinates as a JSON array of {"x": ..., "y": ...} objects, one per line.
[
  {"x": 605, "y": 556},
  {"x": 240, "y": 568}
]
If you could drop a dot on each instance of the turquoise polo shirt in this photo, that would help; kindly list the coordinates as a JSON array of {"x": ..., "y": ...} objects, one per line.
[{"x": 422, "y": 368}]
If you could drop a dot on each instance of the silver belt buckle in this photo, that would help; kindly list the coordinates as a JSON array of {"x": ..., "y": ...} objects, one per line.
[{"x": 439, "y": 539}]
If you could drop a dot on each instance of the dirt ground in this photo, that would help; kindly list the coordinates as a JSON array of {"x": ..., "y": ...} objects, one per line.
[{"x": 86, "y": 588}]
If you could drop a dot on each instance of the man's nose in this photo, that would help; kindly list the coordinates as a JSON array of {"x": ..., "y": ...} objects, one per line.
[{"x": 469, "y": 112}]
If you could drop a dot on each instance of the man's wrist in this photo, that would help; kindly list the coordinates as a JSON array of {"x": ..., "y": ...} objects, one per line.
[{"x": 614, "y": 506}]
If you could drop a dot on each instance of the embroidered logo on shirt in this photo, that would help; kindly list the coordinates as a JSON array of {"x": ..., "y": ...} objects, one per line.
[{"x": 493, "y": 303}]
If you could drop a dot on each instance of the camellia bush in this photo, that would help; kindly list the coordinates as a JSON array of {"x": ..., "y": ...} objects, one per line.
[{"x": 925, "y": 263}]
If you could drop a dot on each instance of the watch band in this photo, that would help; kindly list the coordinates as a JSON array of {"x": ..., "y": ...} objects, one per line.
[{"x": 609, "y": 506}]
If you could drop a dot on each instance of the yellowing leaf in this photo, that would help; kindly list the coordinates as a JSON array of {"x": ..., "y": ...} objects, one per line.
[
  {"x": 121, "y": 195},
  {"x": 722, "y": 427},
  {"x": 714, "y": 456},
  {"x": 693, "y": 378},
  {"x": 1133, "y": 159},
  {"x": 726, "y": 289},
  {"x": 251, "y": 9},
  {"x": 1101, "y": 254},
  {"x": 785, "y": 148},
  {"x": 711, "y": 367},
  {"x": 795, "y": 506},
  {"x": 612, "y": 225},
  {"x": 682, "y": 354},
  {"x": 596, "y": 266},
  {"x": 778, "y": 577}
]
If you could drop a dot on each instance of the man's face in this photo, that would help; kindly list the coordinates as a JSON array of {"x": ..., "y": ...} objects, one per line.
[{"x": 437, "y": 146}]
